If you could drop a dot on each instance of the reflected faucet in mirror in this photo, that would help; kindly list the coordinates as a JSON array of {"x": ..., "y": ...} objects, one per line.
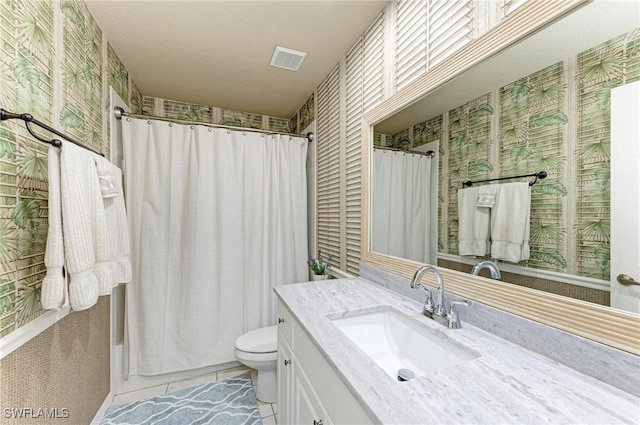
[
  {"x": 438, "y": 311},
  {"x": 493, "y": 268}
]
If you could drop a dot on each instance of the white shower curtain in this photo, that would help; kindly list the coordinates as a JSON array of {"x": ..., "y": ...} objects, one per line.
[
  {"x": 218, "y": 218},
  {"x": 400, "y": 213}
]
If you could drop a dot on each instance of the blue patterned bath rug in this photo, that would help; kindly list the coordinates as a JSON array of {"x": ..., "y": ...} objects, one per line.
[{"x": 228, "y": 402}]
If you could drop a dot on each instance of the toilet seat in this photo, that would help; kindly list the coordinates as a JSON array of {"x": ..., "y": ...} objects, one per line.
[{"x": 259, "y": 341}]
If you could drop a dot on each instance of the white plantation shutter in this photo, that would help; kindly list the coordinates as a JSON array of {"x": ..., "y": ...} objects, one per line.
[
  {"x": 352, "y": 180},
  {"x": 329, "y": 182},
  {"x": 450, "y": 27},
  {"x": 427, "y": 32},
  {"x": 374, "y": 60},
  {"x": 402, "y": 44},
  {"x": 365, "y": 83},
  {"x": 358, "y": 84},
  {"x": 411, "y": 41}
]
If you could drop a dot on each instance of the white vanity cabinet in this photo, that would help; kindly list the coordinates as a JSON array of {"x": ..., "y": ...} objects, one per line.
[{"x": 309, "y": 391}]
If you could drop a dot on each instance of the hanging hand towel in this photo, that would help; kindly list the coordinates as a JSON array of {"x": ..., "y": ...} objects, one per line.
[
  {"x": 116, "y": 222},
  {"x": 106, "y": 177},
  {"x": 85, "y": 238},
  {"x": 54, "y": 291},
  {"x": 510, "y": 222},
  {"x": 487, "y": 196},
  {"x": 473, "y": 224}
]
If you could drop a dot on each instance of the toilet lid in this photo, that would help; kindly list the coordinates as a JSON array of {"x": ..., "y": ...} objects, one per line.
[{"x": 262, "y": 340}]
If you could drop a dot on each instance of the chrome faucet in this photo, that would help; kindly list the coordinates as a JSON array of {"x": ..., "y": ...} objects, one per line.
[
  {"x": 438, "y": 311},
  {"x": 429, "y": 309},
  {"x": 493, "y": 268}
]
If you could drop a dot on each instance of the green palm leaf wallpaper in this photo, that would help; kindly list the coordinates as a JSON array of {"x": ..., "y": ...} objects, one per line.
[
  {"x": 39, "y": 55},
  {"x": 166, "y": 108},
  {"x": 46, "y": 47},
  {"x": 528, "y": 126}
]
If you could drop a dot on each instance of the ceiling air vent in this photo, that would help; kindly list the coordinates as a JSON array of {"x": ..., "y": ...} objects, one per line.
[{"x": 287, "y": 58}]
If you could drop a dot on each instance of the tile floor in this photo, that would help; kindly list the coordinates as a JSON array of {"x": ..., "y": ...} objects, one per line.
[{"x": 268, "y": 411}]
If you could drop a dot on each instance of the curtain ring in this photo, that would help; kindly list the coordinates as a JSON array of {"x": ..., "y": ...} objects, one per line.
[
  {"x": 149, "y": 122},
  {"x": 128, "y": 119},
  {"x": 192, "y": 127},
  {"x": 210, "y": 129},
  {"x": 170, "y": 124}
]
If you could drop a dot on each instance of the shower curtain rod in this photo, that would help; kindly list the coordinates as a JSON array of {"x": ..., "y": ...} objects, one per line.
[
  {"x": 118, "y": 112},
  {"x": 539, "y": 175},
  {"x": 28, "y": 120},
  {"x": 430, "y": 154}
]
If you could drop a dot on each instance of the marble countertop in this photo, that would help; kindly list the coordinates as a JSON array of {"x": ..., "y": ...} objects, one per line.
[{"x": 507, "y": 384}]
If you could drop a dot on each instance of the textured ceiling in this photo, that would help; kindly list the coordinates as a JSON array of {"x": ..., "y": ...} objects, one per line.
[{"x": 217, "y": 53}]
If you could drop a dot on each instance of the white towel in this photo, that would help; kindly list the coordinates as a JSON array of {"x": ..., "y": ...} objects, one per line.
[
  {"x": 487, "y": 195},
  {"x": 473, "y": 224},
  {"x": 85, "y": 237},
  {"x": 54, "y": 291},
  {"x": 116, "y": 221},
  {"x": 510, "y": 222},
  {"x": 106, "y": 177}
]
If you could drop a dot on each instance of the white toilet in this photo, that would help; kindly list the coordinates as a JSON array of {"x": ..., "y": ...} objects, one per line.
[{"x": 258, "y": 350}]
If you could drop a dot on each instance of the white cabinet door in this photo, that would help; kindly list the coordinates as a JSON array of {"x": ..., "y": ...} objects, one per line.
[
  {"x": 307, "y": 408},
  {"x": 625, "y": 196},
  {"x": 285, "y": 384}
]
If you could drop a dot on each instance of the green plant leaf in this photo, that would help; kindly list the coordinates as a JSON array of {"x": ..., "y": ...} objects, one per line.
[
  {"x": 543, "y": 161},
  {"x": 8, "y": 242},
  {"x": 480, "y": 165},
  {"x": 34, "y": 34},
  {"x": 597, "y": 150},
  {"x": 24, "y": 71},
  {"x": 33, "y": 102},
  {"x": 596, "y": 229},
  {"x": 69, "y": 8},
  {"x": 520, "y": 153},
  {"x": 480, "y": 111},
  {"x": 549, "y": 187},
  {"x": 7, "y": 295},
  {"x": 462, "y": 140},
  {"x": 546, "y": 231},
  {"x": 514, "y": 132},
  {"x": 25, "y": 214},
  {"x": 607, "y": 68},
  {"x": 32, "y": 242},
  {"x": 7, "y": 84},
  {"x": 73, "y": 79},
  {"x": 548, "y": 256},
  {"x": 7, "y": 149},
  {"x": 33, "y": 167},
  {"x": 542, "y": 96},
  {"x": 479, "y": 146},
  {"x": 547, "y": 118},
  {"x": 71, "y": 117},
  {"x": 520, "y": 90},
  {"x": 27, "y": 303}
]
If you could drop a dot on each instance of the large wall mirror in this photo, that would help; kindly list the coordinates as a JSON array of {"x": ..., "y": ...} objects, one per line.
[{"x": 512, "y": 103}]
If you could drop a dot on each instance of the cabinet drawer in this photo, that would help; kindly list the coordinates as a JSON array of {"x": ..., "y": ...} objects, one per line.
[{"x": 285, "y": 323}]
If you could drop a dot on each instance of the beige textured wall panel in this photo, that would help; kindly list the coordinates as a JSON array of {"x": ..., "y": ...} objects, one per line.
[{"x": 65, "y": 367}]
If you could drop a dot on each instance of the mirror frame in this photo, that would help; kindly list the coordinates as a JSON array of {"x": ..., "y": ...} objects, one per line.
[{"x": 603, "y": 324}]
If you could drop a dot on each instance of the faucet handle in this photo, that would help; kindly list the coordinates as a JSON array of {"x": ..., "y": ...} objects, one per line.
[
  {"x": 428, "y": 308},
  {"x": 452, "y": 314}
]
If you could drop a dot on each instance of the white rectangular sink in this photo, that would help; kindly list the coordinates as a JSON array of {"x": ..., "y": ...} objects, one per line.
[{"x": 396, "y": 341}]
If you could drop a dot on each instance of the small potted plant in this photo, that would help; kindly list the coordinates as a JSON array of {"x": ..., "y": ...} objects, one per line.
[{"x": 319, "y": 266}]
